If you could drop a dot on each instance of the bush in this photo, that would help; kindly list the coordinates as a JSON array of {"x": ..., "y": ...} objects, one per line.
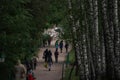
[{"x": 6, "y": 72}]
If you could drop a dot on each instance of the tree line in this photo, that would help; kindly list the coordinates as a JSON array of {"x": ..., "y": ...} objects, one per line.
[
  {"x": 92, "y": 25},
  {"x": 96, "y": 38},
  {"x": 22, "y": 23}
]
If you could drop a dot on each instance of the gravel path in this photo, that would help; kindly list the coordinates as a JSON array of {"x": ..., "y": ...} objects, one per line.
[{"x": 42, "y": 73}]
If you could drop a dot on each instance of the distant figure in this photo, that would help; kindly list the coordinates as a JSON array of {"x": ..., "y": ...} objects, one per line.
[
  {"x": 45, "y": 55},
  {"x": 20, "y": 71},
  {"x": 50, "y": 61},
  {"x": 49, "y": 41},
  {"x": 31, "y": 64},
  {"x": 27, "y": 64},
  {"x": 61, "y": 45},
  {"x": 56, "y": 55},
  {"x": 56, "y": 45},
  {"x": 66, "y": 46},
  {"x": 35, "y": 62}
]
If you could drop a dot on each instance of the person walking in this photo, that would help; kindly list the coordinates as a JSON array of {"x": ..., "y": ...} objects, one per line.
[
  {"x": 49, "y": 41},
  {"x": 27, "y": 65},
  {"x": 56, "y": 45},
  {"x": 20, "y": 71},
  {"x": 66, "y": 46},
  {"x": 50, "y": 61},
  {"x": 56, "y": 55},
  {"x": 45, "y": 55},
  {"x": 61, "y": 46},
  {"x": 35, "y": 62}
]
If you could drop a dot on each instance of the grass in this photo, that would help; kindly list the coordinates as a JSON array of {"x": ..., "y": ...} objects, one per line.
[
  {"x": 68, "y": 69},
  {"x": 67, "y": 72},
  {"x": 71, "y": 57}
]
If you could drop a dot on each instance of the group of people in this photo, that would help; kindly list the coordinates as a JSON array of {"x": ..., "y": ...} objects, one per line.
[
  {"x": 61, "y": 45},
  {"x": 25, "y": 71},
  {"x": 47, "y": 42},
  {"x": 47, "y": 54}
]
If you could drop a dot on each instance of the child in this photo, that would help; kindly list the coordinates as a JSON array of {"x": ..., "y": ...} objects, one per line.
[{"x": 31, "y": 75}]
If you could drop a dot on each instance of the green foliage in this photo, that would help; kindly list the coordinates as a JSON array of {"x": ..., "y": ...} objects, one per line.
[
  {"x": 68, "y": 69},
  {"x": 3, "y": 71},
  {"x": 71, "y": 57},
  {"x": 73, "y": 77},
  {"x": 66, "y": 34},
  {"x": 46, "y": 37},
  {"x": 56, "y": 11},
  {"x": 58, "y": 14},
  {"x": 21, "y": 27},
  {"x": 22, "y": 23}
]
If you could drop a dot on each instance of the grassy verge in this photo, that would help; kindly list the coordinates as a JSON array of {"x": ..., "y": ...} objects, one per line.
[
  {"x": 71, "y": 57},
  {"x": 68, "y": 69}
]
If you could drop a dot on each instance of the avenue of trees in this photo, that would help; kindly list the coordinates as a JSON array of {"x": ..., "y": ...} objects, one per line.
[
  {"x": 91, "y": 25},
  {"x": 96, "y": 38}
]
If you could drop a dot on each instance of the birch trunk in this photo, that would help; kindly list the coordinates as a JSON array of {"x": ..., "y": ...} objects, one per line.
[
  {"x": 108, "y": 43},
  {"x": 73, "y": 30},
  {"x": 116, "y": 39},
  {"x": 97, "y": 42},
  {"x": 96, "y": 52}
]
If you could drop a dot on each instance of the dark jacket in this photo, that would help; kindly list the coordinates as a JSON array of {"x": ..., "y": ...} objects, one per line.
[
  {"x": 49, "y": 56},
  {"x": 56, "y": 53}
]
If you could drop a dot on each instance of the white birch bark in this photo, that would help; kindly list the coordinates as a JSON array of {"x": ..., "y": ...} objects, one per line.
[
  {"x": 108, "y": 38},
  {"x": 74, "y": 35},
  {"x": 116, "y": 39}
]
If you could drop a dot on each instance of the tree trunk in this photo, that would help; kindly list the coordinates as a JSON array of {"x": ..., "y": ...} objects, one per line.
[
  {"x": 74, "y": 37},
  {"x": 116, "y": 39},
  {"x": 108, "y": 43}
]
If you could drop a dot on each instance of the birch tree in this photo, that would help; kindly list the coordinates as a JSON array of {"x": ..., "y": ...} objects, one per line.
[{"x": 96, "y": 38}]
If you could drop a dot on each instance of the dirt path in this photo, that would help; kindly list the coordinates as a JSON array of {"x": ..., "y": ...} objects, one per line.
[{"x": 42, "y": 73}]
